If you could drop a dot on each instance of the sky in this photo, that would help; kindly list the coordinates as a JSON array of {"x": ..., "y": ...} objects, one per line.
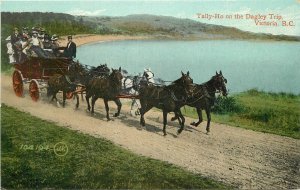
[{"x": 289, "y": 10}]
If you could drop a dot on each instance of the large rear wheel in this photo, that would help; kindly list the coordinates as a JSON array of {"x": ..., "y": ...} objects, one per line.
[
  {"x": 18, "y": 86},
  {"x": 34, "y": 90}
]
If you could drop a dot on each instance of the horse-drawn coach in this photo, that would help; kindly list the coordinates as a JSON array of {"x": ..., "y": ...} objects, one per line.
[{"x": 36, "y": 71}]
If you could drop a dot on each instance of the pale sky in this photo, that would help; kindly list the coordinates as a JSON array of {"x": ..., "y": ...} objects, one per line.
[{"x": 288, "y": 9}]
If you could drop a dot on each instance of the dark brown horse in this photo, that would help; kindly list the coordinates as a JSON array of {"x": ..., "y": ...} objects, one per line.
[
  {"x": 168, "y": 98},
  {"x": 106, "y": 87},
  {"x": 203, "y": 97},
  {"x": 62, "y": 83},
  {"x": 81, "y": 74}
]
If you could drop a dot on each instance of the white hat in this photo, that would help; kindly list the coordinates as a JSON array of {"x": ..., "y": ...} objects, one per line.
[
  {"x": 54, "y": 37},
  {"x": 8, "y": 38}
]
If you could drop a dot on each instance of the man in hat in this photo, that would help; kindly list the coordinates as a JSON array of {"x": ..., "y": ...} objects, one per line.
[
  {"x": 55, "y": 45},
  {"x": 14, "y": 38},
  {"x": 25, "y": 31},
  {"x": 41, "y": 34},
  {"x": 70, "y": 50}
]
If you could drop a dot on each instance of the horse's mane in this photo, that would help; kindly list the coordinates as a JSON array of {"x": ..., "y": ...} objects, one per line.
[{"x": 177, "y": 81}]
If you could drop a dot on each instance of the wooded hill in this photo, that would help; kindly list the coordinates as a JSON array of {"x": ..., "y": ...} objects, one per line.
[{"x": 157, "y": 26}]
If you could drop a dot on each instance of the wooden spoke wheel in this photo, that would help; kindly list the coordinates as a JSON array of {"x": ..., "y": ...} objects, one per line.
[
  {"x": 18, "y": 86},
  {"x": 69, "y": 95},
  {"x": 34, "y": 90}
]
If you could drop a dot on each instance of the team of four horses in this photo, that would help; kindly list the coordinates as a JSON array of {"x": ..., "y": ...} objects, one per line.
[{"x": 100, "y": 82}]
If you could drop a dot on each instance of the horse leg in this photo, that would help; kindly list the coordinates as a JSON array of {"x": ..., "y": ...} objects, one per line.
[
  {"x": 207, "y": 110},
  {"x": 179, "y": 119},
  {"x": 82, "y": 99},
  {"x": 119, "y": 104},
  {"x": 199, "y": 112},
  {"x": 54, "y": 97},
  {"x": 107, "y": 109},
  {"x": 94, "y": 98},
  {"x": 182, "y": 122},
  {"x": 77, "y": 98},
  {"x": 165, "y": 113},
  {"x": 144, "y": 110},
  {"x": 87, "y": 98},
  {"x": 132, "y": 105},
  {"x": 137, "y": 112},
  {"x": 175, "y": 117},
  {"x": 64, "y": 98}
]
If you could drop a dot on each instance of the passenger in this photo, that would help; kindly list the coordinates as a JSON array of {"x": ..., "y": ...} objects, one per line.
[
  {"x": 37, "y": 46},
  {"x": 10, "y": 50},
  {"x": 41, "y": 34},
  {"x": 70, "y": 50},
  {"x": 14, "y": 38},
  {"x": 33, "y": 29},
  {"x": 55, "y": 45},
  {"x": 48, "y": 46},
  {"x": 25, "y": 31},
  {"x": 24, "y": 48}
]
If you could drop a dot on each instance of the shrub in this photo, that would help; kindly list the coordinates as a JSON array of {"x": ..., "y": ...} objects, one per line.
[{"x": 225, "y": 105}]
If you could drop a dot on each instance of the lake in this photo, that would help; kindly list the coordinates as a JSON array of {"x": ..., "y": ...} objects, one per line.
[{"x": 268, "y": 66}]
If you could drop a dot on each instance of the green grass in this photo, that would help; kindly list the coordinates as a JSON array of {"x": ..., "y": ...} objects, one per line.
[
  {"x": 90, "y": 162},
  {"x": 277, "y": 113}
]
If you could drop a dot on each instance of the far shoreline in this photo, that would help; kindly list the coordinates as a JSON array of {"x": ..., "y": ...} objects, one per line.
[{"x": 83, "y": 39}]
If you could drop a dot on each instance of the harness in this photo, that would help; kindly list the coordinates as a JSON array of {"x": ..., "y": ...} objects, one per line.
[{"x": 204, "y": 94}]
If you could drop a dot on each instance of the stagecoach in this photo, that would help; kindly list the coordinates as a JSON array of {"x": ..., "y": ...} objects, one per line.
[{"x": 36, "y": 71}]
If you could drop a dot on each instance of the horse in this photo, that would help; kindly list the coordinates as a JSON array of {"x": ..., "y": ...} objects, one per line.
[
  {"x": 62, "y": 83},
  {"x": 131, "y": 85},
  {"x": 203, "y": 97},
  {"x": 167, "y": 98},
  {"x": 106, "y": 87},
  {"x": 82, "y": 74}
]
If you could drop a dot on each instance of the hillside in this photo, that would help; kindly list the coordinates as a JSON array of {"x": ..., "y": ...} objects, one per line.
[
  {"x": 171, "y": 27},
  {"x": 157, "y": 26}
]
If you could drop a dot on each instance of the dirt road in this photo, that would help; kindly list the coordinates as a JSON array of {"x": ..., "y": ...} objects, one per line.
[{"x": 243, "y": 158}]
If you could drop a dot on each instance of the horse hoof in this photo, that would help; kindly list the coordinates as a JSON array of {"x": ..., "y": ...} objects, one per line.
[
  {"x": 108, "y": 119},
  {"x": 116, "y": 115},
  {"x": 165, "y": 134},
  {"x": 173, "y": 118},
  {"x": 193, "y": 123}
]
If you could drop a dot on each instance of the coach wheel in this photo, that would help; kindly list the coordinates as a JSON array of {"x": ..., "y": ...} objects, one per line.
[
  {"x": 17, "y": 80},
  {"x": 69, "y": 95},
  {"x": 34, "y": 90}
]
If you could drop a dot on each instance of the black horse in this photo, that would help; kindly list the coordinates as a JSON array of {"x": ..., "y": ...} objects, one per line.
[
  {"x": 106, "y": 87},
  {"x": 168, "y": 98},
  {"x": 62, "y": 83},
  {"x": 203, "y": 97}
]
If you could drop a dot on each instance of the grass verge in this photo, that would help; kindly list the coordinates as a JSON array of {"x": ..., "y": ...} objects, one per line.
[
  {"x": 29, "y": 161},
  {"x": 276, "y": 113}
]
